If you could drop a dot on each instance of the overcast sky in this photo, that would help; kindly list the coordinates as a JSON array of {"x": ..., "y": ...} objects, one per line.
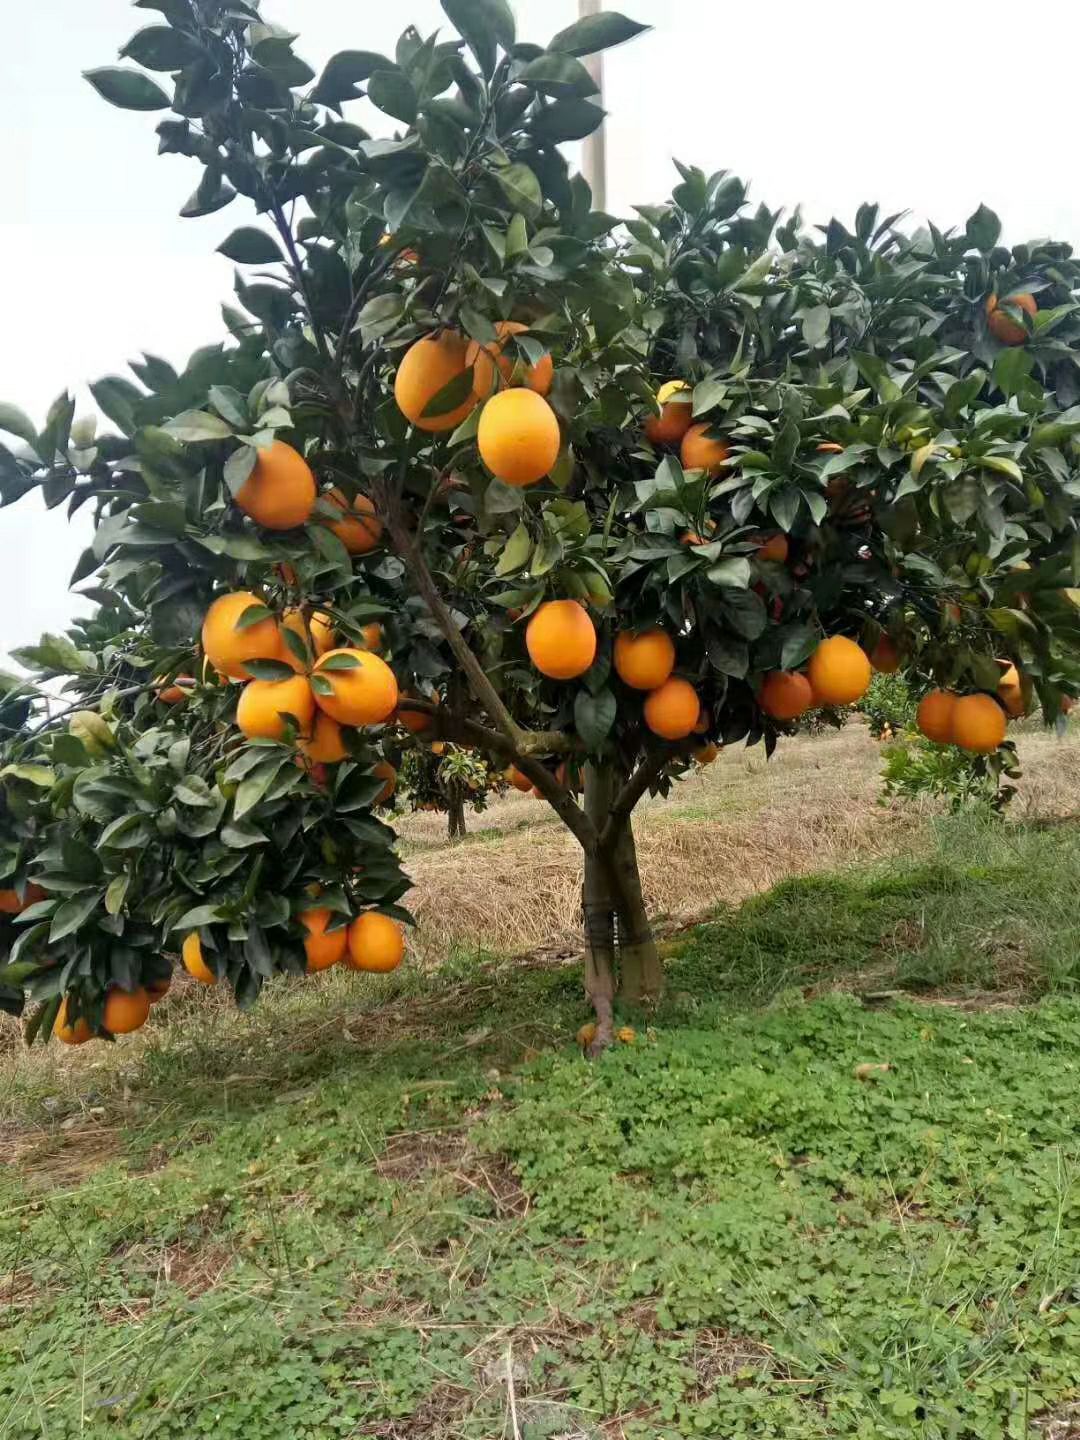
[{"x": 919, "y": 106}]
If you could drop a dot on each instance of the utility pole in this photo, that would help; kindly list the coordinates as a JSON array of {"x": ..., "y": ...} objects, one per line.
[{"x": 594, "y": 146}]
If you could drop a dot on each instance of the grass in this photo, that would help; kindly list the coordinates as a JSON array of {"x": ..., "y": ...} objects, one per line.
[{"x": 407, "y": 1209}]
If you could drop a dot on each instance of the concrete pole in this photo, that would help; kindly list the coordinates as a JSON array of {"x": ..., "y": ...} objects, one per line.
[{"x": 594, "y": 146}]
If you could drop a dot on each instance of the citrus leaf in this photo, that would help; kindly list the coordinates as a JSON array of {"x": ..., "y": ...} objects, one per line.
[{"x": 127, "y": 89}]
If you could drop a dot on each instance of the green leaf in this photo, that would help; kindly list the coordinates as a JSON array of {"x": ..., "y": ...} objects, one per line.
[
  {"x": 392, "y": 92},
  {"x": 453, "y": 394},
  {"x": 503, "y": 499},
  {"x": 815, "y": 326},
  {"x": 1011, "y": 368},
  {"x": 379, "y": 317},
  {"x": 484, "y": 25},
  {"x": 468, "y": 427},
  {"x": 338, "y": 662},
  {"x": 730, "y": 657},
  {"x": 199, "y": 916},
  {"x": 253, "y": 615},
  {"x": 733, "y": 571},
  {"x": 249, "y": 245},
  {"x": 193, "y": 790},
  {"x": 161, "y": 47},
  {"x": 72, "y": 914},
  {"x": 269, "y": 669},
  {"x": 515, "y": 552},
  {"x": 127, "y": 89},
  {"x": 40, "y": 775},
  {"x": 596, "y": 32},
  {"x": 521, "y": 188},
  {"x": 240, "y": 834},
  {"x": 594, "y": 715},
  {"x": 558, "y": 75},
  {"x": 15, "y": 422},
  {"x": 983, "y": 229},
  {"x": 198, "y": 425},
  {"x": 566, "y": 120},
  {"x": 343, "y": 72},
  {"x": 1004, "y": 466},
  {"x": 706, "y": 396},
  {"x": 119, "y": 399},
  {"x": 254, "y": 786},
  {"x": 745, "y": 612},
  {"x": 800, "y": 642},
  {"x": 517, "y": 238}
]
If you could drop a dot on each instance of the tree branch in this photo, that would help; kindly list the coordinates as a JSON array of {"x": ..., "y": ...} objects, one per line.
[{"x": 622, "y": 807}]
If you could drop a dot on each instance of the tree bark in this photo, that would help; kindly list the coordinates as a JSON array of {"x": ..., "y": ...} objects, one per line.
[
  {"x": 599, "y": 913},
  {"x": 641, "y": 974},
  {"x": 455, "y": 817}
]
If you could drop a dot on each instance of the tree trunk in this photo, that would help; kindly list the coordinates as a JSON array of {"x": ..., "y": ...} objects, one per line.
[
  {"x": 599, "y": 913},
  {"x": 455, "y": 816},
  {"x": 641, "y": 975}
]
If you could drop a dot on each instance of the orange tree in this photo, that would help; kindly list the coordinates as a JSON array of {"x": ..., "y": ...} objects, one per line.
[{"x": 482, "y": 462}]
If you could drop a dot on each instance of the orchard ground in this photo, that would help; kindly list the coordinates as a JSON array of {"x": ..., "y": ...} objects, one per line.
[{"x": 407, "y": 1207}]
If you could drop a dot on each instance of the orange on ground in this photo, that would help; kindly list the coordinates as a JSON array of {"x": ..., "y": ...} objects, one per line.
[
  {"x": 672, "y": 710},
  {"x": 775, "y": 549},
  {"x": 260, "y": 715},
  {"x": 537, "y": 377},
  {"x": 561, "y": 640},
  {"x": 517, "y": 779},
  {"x": 934, "y": 716},
  {"x": 644, "y": 659},
  {"x": 518, "y": 438},
  {"x": 158, "y": 989},
  {"x": 364, "y": 694},
  {"x": 359, "y": 528},
  {"x": 10, "y": 904},
  {"x": 385, "y": 771},
  {"x": 785, "y": 695},
  {"x": 77, "y": 1032},
  {"x": 226, "y": 647},
  {"x": 417, "y": 722},
  {"x": 125, "y": 1010},
  {"x": 706, "y": 754},
  {"x": 194, "y": 963},
  {"x": 978, "y": 724},
  {"x": 372, "y": 635},
  {"x": 279, "y": 494},
  {"x": 427, "y": 367},
  {"x": 376, "y": 943},
  {"x": 1014, "y": 692},
  {"x": 1002, "y": 325},
  {"x": 316, "y": 633},
  {"x": 669, "y": 427},
  {"x": 839, "y": 671},
  {"x": 177, "y": 692},
  {"x": 885, "y": 658},
  {"x": 323, "y": 744},
  {"x": 322, "y": 948},
  {"x": 699, "y": 452},
  {"x": 586, "y": 1035}
]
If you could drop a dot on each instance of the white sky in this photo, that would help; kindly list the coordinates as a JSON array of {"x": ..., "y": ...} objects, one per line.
[{"x": 829, "y": 103}]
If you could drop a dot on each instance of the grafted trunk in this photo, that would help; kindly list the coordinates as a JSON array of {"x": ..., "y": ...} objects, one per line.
[
  {"x": 599, "y": 913},
  {"x": 455, "y": 816},
  {"x": 641, "y": 975}
]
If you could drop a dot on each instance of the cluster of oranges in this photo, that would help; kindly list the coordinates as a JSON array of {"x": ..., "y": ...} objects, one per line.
[
  {"x": 280, "y": 493},
  {"x": 974, "y": 722},
  {"x": 698, "y": 450},
  {"x": 124, "y": 1011},
  {"x": 372, "y": 942},
  {"x": 838, "y": 673}
]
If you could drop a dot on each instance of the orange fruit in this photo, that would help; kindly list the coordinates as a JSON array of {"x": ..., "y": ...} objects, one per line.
[
  {"x": 158, "y": 989},
  {"x": 176, "y": 692},
  {"x": 323, "y": 743},
  {"x": 10, "y": 904},
  {"x": 839, "y": 671},
  {"x": 322, "y": 947},
  {"x": 75, "y": 1032},
  {"x": 376, "y": 943},
  {"x": 518, "y": 437},
  {"x": 228, "y": 648},
  {"x": 279, "y": 494},
  {"x": 364, "y": 694},
  {"x": 785, "y": 695},
  {"x": 385, "y": 771},
  {"x": 934, "y": 716},
  {"x": 359, "y": 528},
  {"x": 125, "y": 1010},
  {"x": 1014, "y": 692},
  {"x": 672, "y": 710},
  {"x": 427, "y": 367},
  {"x": 669, "y": 427},
  {"x": 706, "y": 754},
  {"x": 518, "y": 780},
  {"x": 264, "y": 704},
  {"x": 700, "y": 452},
  {"x": 1002, "y": 326},
  {"x": 978, "y": 724},
  {"x": 586, "y": 1035},
  {"x": 194, "y": 963},
  {"x": 645, "y": 658},
  {"x": 372, "y": 635},
  {"x": 417, "y": 722},
  {"x": 885, "y": 658},
  {"x": 537, "y": 377},
  {"x": 829, "y": 447},
  {"x": 317, "y": 634},
  {"x": 774, "y": 549},
  {"x": 561, "y": 640}
]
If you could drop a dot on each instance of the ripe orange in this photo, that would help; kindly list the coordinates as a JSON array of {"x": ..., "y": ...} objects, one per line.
[
  {"x": 158, "y": 989},
  {"x": 885, "y": 658},
  {"x": 323, "y": 743},
  {"x": 978, "y": 724},
  {"x": 359, "y": 528},
  {"x": 176, "y": 692},
  {"x": 934, "y": 716},
  {"x": 700, "y": 452},
  {"x": 372, "y": 636},
  {"x": 518, "y": 437},
  {"x": 323, "y": 948},
  {"x": 1014, "y": 692},
  {"x": 785, "y": 695},
  {"x": 228, "y": 648},
  {"x": 645, "y": 658},
  {"x": 125, "y": 1010},
  {"x": 518, "y": 780},
  {"x": 672, "y": 710},
  {"x": 427, "y": 367},
  {"x": 376, "y": 943},
  {"x": 1002, "y": 326},
  {"x": 10, "y": 904},
  {"x": 537, "y": 377},
  {"x": 839, "y": 671},
  {"x": 75, "y": 1032},
  {"x": 316, "y": 633},
  {"x": 561, "y": 640},
  {"x": 260, "y": 715},
  {"x": 279, "y": 494},
  {"x": 774, "y": 549},
  {"x": 669, "y": 427},
  {"x": 417, "y": 722},
  {"x": 194, "y": 963},
  {"x": 706, "y": 754},
  {"x": 829, "y": 447},
  {"x": 364, "y": 694},
  {"x": 385, "y": 771}
]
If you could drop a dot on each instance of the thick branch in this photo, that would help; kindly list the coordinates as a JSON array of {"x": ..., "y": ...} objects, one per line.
[{"x": 649, "y": 770}]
